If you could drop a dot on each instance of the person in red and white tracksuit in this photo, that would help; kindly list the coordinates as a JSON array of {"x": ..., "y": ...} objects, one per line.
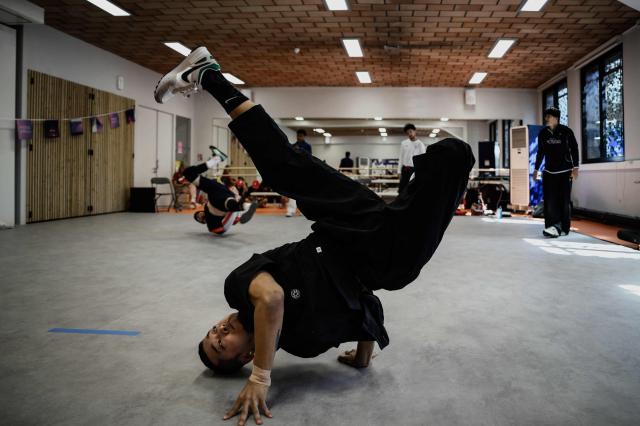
[{"x": 224, "y": 207}]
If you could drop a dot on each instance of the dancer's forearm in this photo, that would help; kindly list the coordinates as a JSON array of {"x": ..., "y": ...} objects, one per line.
[{"x": 268, "y": 300}]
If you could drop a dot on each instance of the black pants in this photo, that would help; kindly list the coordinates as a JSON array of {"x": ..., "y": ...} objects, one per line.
[
  {"x": 405, "y": 175},
  {"x": 556, "y": 189},
  {"x": 217, "y": 193},
  {"x": 386, "y": 245}
]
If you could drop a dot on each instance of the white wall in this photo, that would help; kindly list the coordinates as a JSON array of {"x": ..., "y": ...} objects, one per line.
[
  {"x": 7, "y": 128},
  {"x": 50, "y": 51},
  {"x": 412, "y": 103},
  {"x": 402, "y": 103},
  {"x": 612, "y": 187}
]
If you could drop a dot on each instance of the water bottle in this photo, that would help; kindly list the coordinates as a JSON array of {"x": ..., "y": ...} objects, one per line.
[{"x": 499, "y": 212}]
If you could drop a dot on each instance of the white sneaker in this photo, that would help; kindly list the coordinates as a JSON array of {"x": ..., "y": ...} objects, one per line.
[
  {"x": 551, "y": 232},
  {"x": 186, "y": 77}
]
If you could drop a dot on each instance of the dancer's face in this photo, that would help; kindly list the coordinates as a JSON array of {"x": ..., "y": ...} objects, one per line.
[
  {"x": 411, "y": 133},
  {"x": 228, "y": 339},
  {"x": 551, "y": 121}
]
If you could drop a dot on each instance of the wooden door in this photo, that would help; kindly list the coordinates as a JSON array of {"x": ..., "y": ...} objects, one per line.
[{"x": 72, "y": 176}]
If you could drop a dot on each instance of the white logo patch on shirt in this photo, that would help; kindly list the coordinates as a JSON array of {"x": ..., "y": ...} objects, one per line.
[
  {"x": 295, "y": 293},
  {"x": 319, "y": 249},
  {"x": 554, "y": 141}
]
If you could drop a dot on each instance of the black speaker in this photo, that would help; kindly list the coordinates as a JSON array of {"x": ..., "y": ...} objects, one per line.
[
  {"x": 486, "y": 157},
  {"x": 143, "y": 200}
]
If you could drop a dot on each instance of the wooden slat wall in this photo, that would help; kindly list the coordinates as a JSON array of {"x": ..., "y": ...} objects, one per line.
[
  {"x": 238, "y": 157},
  {"x": 112, "y": 163},
  {"x": 60, "y": 172}
]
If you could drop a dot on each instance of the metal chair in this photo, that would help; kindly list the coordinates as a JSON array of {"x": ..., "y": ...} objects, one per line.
[{"x": 157, "y": 181}]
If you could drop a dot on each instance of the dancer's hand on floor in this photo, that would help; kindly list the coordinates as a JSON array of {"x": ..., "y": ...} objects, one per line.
[
  {"x": 349, "y": 358},
  {"x": 252, "y": 398}
]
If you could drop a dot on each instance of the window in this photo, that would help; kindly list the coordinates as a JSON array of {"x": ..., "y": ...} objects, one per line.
[
  {"x": 506, "y": 137},
  {"x": 602, "y": 109},
  {"x": 493, "y": 131},
  {"x": 557, "y": 96}
]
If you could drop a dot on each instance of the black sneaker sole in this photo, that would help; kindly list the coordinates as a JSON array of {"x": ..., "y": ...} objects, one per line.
[{"x": 246, "y": 217}]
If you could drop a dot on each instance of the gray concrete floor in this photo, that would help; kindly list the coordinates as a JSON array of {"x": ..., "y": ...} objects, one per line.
[{"x": 502, "y": 327}]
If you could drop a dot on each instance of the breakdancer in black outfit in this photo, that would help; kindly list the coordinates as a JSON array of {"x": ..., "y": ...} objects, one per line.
[{"x": 314, "y": 294}]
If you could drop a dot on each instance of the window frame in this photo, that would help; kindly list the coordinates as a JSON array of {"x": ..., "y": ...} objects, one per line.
[
  {"x": 506, "y": 143},
  {"x": 600, "y": 63},
  {"x": 493, "y": 131},
  {"x": 554, "y": 90}
]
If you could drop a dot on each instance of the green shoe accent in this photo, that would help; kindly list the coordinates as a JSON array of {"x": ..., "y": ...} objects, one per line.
[{"x": 214, "y": 66}]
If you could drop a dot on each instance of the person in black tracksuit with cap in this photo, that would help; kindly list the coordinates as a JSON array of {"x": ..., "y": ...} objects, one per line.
[
  {"x": 558, "y": 146},
  {"x": 309, "y": 296}
]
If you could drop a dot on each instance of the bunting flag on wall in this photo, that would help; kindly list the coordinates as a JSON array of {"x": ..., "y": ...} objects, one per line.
[
  {"x": 51, "y": 129},
  {"x": 130, "y": 115},
  {"x": 24, "y": 130},
  {"x": 24, "y": 127},
  {"x": 76, "y": 127},
  {"x": 114, "y": 120},
  {"x": 96, "y": 125}
]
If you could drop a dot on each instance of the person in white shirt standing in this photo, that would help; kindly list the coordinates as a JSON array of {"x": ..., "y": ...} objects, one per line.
[{"x": 408, "y": 149}]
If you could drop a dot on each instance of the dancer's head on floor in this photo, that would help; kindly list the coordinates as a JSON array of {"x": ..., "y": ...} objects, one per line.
[
  {"x": 227, "y": 346},
  {"x": 199, "y": 217}
]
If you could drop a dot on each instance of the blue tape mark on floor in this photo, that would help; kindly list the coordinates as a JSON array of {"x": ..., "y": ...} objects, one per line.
[{"x": 91, "y": 331}]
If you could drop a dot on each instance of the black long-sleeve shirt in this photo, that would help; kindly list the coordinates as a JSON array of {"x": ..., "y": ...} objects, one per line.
[
  {"x": 325, "y": 304},
  {"x": 559, "y": 148},
  {"x": 303, "y": 145}
]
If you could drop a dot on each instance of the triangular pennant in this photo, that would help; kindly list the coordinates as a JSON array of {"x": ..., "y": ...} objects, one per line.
[
  {"x": 76, "y": 126},
  {"x": 24, "y": 130},
  {"x": 51, "y": 129}
]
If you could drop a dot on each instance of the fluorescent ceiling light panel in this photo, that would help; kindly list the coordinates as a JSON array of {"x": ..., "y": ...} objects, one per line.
[
  {"x": 327, "y": 135},
  {"x": 318, "y": 130},
  {"x": 432, "y": 135},
  {"x": 383, "y": 134},
  {"x": 477, "y": 77},
  {"x": 109, "y": 7},
  {"x": 533, "y": 5},
  {"x": 436, "y": 131},
  {"x": 501, "y": 47},
  {"x": 363, "y": 77},
  {"x": 232, "y": 78},
  {"x": 337, "y": 4},
  {"x": 178, "y": 47},
  {"x": 353, "y": 48},
  {"x": 444, "y": 119},
  {"x": 377, "y": 118},
  {"x": 299, "y": 118},
  {"x": 382, "y": 130}
]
